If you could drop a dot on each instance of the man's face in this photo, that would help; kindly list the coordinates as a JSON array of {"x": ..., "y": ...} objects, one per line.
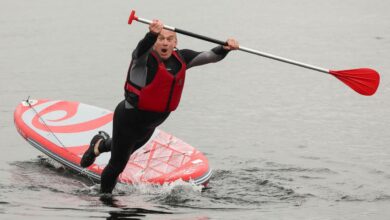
[{"x": 166, "y": 42}]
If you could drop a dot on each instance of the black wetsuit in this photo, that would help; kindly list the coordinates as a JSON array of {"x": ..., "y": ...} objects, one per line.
[{"x": 132, "y": 127}]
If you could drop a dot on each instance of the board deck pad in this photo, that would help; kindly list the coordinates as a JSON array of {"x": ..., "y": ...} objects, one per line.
[{"x": 63, "y": 129}]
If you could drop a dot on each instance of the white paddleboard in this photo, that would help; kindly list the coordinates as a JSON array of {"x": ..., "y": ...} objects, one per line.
[{"x": 63, "y": 129}]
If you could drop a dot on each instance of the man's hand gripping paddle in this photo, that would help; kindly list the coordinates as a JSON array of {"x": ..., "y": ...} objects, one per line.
[{"x": 365, "y": 81}]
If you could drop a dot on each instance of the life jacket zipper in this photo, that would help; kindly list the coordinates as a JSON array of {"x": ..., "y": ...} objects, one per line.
[{"x": 170, "y": 94}]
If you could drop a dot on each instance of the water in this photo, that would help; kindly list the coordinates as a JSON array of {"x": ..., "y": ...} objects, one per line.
[{"x": 285, "y": 142}]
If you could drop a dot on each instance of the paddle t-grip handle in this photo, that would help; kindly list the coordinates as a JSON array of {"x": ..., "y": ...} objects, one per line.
[{"x": 132, "y": 17}]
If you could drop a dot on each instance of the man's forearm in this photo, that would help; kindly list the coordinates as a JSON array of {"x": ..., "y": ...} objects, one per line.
[
  {"x": 144, "y": 45},
  {"x": 214, "y": 55}
]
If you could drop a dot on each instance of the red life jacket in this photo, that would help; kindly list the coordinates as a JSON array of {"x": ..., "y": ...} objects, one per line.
[{"x": 164, "y": 92}]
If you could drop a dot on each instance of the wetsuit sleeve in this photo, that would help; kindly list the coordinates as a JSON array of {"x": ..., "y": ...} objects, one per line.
[
  {"x": 138, "y": 67},
  {"x": 145, "y": 45},
  {"x": 194, "y": 58}
]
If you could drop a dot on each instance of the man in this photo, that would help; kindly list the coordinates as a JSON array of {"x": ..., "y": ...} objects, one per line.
[{"x": 153, "y": 89}]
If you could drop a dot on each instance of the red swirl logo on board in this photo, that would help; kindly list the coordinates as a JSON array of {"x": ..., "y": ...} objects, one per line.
[{"x": 70, "y": 109}]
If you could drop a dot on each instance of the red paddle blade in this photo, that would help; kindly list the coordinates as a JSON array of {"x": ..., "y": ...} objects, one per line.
[{"x": 364, "y": 80}]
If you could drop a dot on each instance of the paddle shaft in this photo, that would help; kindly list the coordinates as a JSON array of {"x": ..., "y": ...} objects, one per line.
[{"x": 245, "y": 49}]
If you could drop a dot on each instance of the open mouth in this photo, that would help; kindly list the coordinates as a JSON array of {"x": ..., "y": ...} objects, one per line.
[{"x": 164, "y": 50}]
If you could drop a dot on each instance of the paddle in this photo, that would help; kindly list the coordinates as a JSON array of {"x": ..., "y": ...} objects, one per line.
[{"x": 365, "y": 81}]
